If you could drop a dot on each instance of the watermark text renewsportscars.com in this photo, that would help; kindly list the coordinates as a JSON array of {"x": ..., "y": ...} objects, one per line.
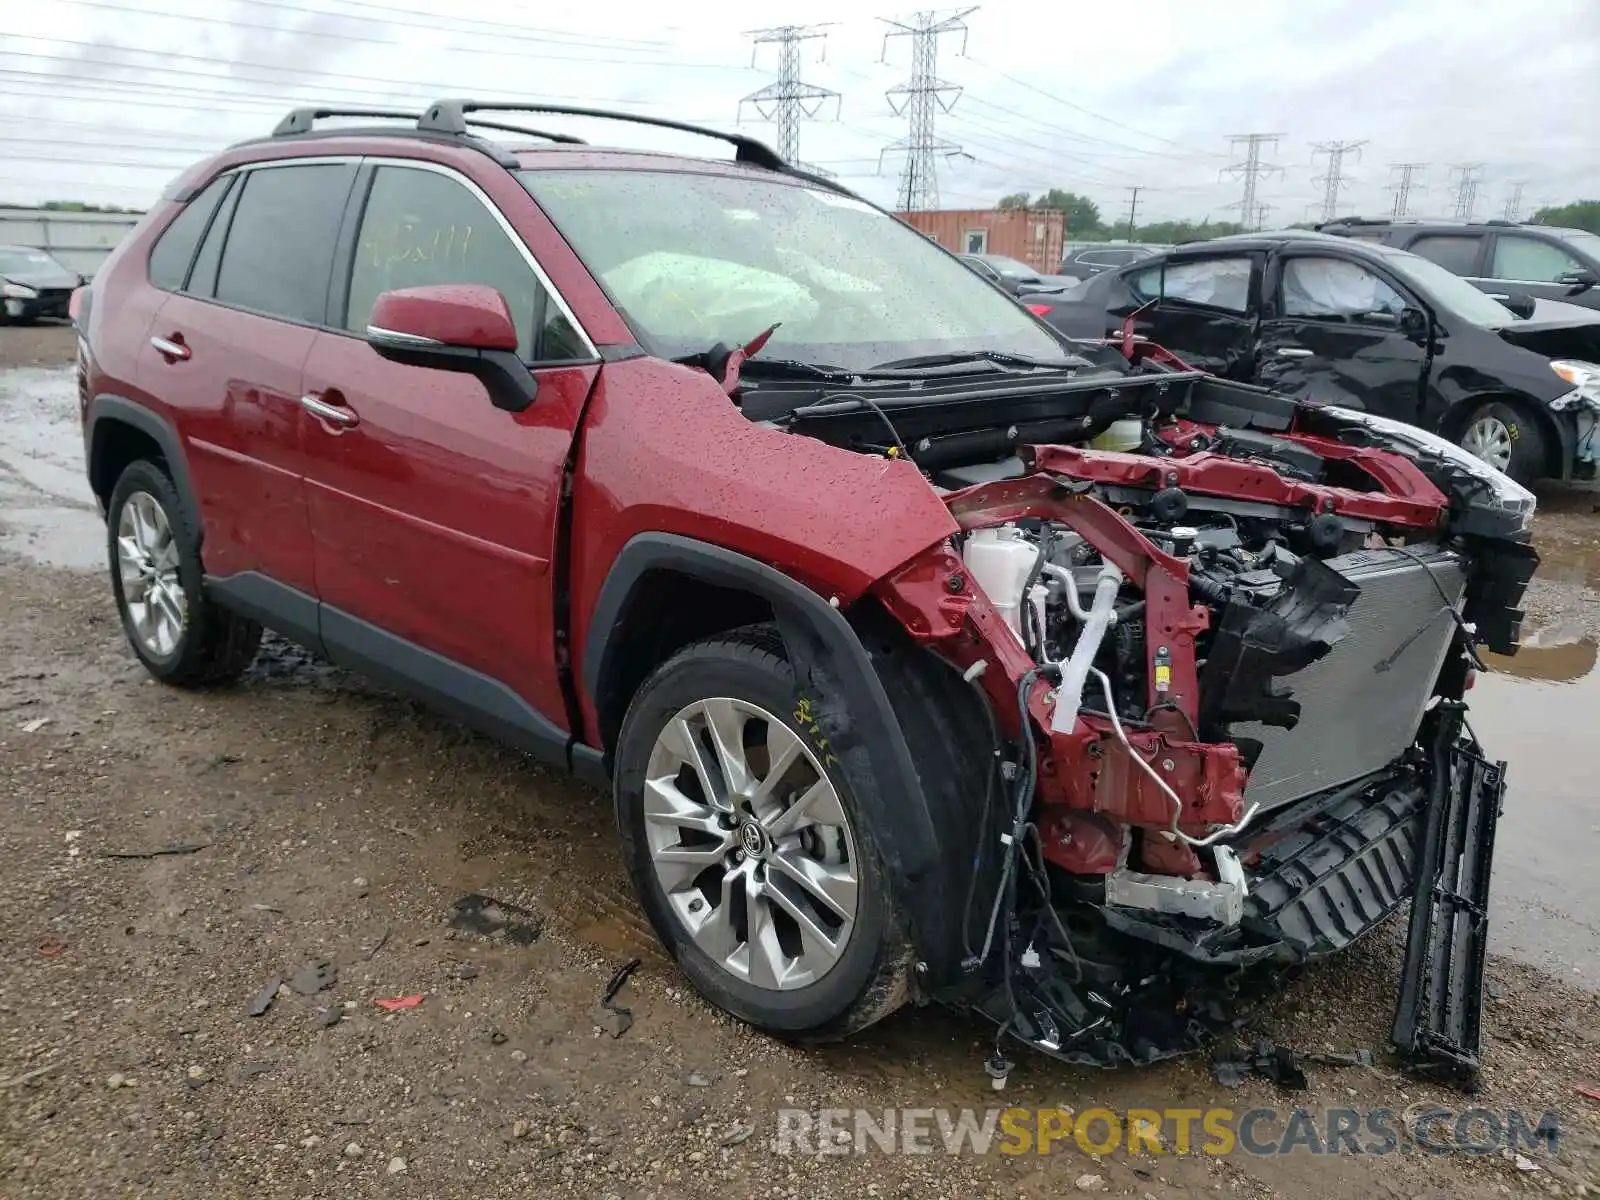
[{"x": 1211, "y": 1131}]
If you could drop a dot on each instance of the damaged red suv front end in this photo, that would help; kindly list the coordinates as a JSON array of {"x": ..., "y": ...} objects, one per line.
[{"x": 1233, "y": 661}]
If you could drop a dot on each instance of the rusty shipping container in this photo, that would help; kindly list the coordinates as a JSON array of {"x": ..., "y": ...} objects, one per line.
[{"x": 1033, "y": 235}]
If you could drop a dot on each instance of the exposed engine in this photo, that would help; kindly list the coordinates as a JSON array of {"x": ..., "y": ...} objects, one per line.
[{"x": 1228, "y": 656}]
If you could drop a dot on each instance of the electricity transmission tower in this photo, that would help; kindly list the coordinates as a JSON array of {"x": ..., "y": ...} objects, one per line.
[
  {"x": 788, "y": 99},
  {"x": 1402, "y": 190},
  {"x": 1334, "y": 179},
  {"x": 1133, "y": 207},
  {"x": 1514, "y": 204},
  {"x": 1466, "y": 188},
  {"x": 918, "y": 99},
  {"x": 1251, "y": 169}
]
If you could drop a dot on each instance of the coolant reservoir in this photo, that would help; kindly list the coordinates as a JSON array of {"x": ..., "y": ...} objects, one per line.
[
  {"x": 999, "y": 561},
  {"x": 1125, "y": 436}
]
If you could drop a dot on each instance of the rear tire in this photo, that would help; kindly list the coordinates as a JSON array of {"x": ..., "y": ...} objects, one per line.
[
  {"x": 1506, "y": 438},
  {"x": 180, "y": 634},
  {"x": 779, "y": 914}
]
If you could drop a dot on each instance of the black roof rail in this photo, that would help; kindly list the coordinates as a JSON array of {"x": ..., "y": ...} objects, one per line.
[
  {"x": 1502, "y": 223},
  {"x": 303, "y": 120},
  {"x": 451, "y": 116},
  {"x": 504, "y": 127}
]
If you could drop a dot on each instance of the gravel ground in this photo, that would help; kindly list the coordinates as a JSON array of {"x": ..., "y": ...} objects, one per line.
[{"x": 321, "y": 820}]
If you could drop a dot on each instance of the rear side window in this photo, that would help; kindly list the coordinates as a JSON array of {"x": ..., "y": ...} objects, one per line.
[
  {"x": 281, "y": 241},
  {"x": 1453, "y": 252},
  {"x": 174, "y": 249},
  {"x": 203, "y": 276},
  {"x": 423, "y": 228},
  {"x": 1213, "y": 282}
]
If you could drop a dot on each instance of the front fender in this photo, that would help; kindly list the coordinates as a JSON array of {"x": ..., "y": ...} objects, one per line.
[{"x": 841, "y": 702}]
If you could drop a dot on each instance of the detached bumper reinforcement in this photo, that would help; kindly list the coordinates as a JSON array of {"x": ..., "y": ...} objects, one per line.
[{"x": 1438, "y": 1019}]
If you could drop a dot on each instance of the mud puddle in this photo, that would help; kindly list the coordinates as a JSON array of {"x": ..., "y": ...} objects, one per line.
[{"x": 47, "y": 512}]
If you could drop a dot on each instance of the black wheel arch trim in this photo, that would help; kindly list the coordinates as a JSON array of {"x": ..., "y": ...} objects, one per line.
[
  {"x": 120, "y": 410},
  {"x": 844, "y": 701}
]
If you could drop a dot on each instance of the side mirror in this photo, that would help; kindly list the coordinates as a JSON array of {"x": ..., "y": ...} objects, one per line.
[
  {"x": 1520, "y": 303},
  {"x": 1413, "y": 322},
  {"x": 1579, "y": 281},
  {"x": 455, "y": 327}
]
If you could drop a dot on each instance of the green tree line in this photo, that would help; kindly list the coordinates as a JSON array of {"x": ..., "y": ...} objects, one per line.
[{"x": 1086, "y": 224}]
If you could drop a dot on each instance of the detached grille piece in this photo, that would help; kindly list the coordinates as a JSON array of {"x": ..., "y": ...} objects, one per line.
[{"x": 1360, "y": 706}]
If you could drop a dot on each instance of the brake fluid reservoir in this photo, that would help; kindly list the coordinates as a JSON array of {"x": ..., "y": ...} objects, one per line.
[
  {"x": 1125, "y": 435},
  {"x": 999, "y": 561}
]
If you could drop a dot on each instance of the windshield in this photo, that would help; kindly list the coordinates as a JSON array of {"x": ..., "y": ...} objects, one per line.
[
  {"x": 691, "y": 260},
  {"x": 1583, "y": 240},
  {"x": 22, "y": 260},
  {"x": 1448, "y": 291}
]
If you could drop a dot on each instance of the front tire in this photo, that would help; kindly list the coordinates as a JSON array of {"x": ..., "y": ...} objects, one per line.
[
  {"x": 179, "y": 633},
  {"x": 1507, "y": 439},
  {"x": 746, "y": 846}
]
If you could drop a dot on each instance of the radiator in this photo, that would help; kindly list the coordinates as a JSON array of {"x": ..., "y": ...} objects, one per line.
[{"x": 1361, "y": 704}]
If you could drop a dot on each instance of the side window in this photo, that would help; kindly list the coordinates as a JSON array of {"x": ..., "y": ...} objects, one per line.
[
  {"x": 1145, "y": 284},
  {"x": 1453, "y": 252},
  {"x": 1336, "y": 288},
  {"x": 203, "y": 278},
  {"x": 1530, "y": 260},
  {"x": 174, "y": 249},
  {"x": 421, "y": 227},
  {"x": 1213, "y": 282},
  {"x": 281, "y": 240},
  {"x": 1102, "y": 258}
]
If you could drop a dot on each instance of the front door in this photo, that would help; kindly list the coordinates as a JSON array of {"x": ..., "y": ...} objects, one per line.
[
  {"x": 1201, "y": 307},
  {"x": 1331, "y": 331},
  {"x": 433, "y": 512},
  {"x": 1536, "y": 266}
]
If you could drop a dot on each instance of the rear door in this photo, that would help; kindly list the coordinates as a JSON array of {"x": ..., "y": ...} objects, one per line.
[
  {"x": 1330, "y": 331},
  {"x": 434, "y": 512},
  {"x": 226, "y": 353},
  {"x": 1202, "y": 307}
]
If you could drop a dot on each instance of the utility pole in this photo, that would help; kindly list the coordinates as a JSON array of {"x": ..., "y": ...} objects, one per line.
[
  {"x": 1133, "y": 208},
  {"x": 1466, "y": 188},
  {"x": 1251, "y": 169},
  {"x": 1514, "y": 205},
  {"x": 787, "y": 99},
  {"x": 1402, "y": 190},
  {"x": 1334, "y": 179},
  {"x": 918, "y": 99}
]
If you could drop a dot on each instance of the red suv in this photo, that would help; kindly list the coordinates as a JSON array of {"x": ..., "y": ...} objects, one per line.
[{"x": 927, "y": 654}]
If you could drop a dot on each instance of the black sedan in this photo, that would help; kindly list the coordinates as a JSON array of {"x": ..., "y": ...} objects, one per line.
[
  {"x": 1013, "y": 275},
  {"x": 1368, "y": 327}
]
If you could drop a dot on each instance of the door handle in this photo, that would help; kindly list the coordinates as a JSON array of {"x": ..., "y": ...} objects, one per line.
[
  {"x": 171, "y": 348},
  {"x": 1293, "y": 352},
  {"x": 334, "y": 414}
]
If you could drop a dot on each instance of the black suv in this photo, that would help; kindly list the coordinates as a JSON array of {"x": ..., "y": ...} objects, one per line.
[
  {"x": 1085, "y": 262},
  {"x": 1362, "y": 325},
  {"x": 1500, "y": 257}
]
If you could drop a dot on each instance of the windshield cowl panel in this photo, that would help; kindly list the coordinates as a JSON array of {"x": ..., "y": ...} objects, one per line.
[{"x": 694, "y": 259}]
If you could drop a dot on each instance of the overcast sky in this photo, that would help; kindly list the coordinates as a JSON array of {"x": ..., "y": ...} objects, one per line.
[{"x": 105, "y": 100}]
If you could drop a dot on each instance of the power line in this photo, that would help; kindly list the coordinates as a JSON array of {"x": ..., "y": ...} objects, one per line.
[
  {"x": 918, "y": 99},
  {"x": 1514, "y": 204},
  {"x": 788, "y": 98},
  {"x": 1402, "y": 190},
  {"x": 1091, "y": 113},
  {"x": 1251, "y": 169},
  {"x": 1333, "y": 180},
  {"x": 1466, "y": 188}
]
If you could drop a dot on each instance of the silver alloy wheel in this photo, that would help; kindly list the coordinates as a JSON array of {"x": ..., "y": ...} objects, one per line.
[
  {"x": 1490, "y": 440},
  {"x": 750, "y": 844},
  {"x": 147, "y": 560}
]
